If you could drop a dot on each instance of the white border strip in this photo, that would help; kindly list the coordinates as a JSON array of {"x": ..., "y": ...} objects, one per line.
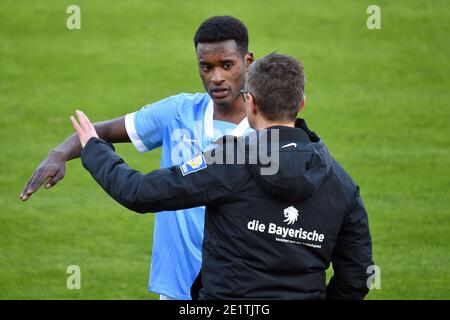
[
  {"x": 132, "y": 134},
  {"x": 241, "y": 128},
  {"x": 208, "y": 121}
]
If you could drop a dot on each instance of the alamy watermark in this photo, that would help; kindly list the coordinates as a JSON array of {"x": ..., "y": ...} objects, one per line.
[
  {"x": 374, "y": 20},
  {"x": 260, "y": 147},
  {"x": 374, "y": 279},
  {"x": 74, "y": 280},
  {"x": 73, "y": 21}
]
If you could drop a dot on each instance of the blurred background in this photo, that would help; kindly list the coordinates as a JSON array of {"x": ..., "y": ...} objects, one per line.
[{"x": 378, "y": 98}]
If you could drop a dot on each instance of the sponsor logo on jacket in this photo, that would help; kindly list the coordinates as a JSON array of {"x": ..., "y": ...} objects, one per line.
[{"x": 287, "y": 234}]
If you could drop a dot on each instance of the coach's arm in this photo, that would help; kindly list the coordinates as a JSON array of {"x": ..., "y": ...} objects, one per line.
[
  {"x": 160, "y": 190},
  {"x": 164, "y": 189},
  {"x": 352, "y": 256}
]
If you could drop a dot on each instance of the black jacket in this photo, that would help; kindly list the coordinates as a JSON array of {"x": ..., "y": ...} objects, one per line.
[{"x": 266, "y": 236}]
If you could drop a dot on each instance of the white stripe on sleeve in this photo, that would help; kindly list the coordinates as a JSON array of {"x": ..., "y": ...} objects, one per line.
[{"x": 132, "y": 134}]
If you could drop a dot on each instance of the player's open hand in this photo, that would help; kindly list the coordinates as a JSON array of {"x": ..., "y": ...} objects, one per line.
[
  {"x": 85, "y": 129},
  {"x": 48, "y": 173}
]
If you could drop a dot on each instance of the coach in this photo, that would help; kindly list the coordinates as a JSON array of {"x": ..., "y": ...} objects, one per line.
[{"x": 267, "y": 236}]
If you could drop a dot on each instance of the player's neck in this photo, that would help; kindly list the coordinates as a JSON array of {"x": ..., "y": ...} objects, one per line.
[{"x": 233, "y": 113}]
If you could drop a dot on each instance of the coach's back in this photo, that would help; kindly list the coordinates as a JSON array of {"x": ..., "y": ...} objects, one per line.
[{"x": 275, "y": 237}]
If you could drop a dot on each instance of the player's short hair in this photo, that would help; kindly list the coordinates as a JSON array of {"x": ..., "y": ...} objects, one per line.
[
  {"x": 277, "y": 84},
  {"x": 221, "y": 28}
]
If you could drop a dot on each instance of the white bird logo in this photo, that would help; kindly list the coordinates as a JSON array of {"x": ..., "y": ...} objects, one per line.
[{"x": 291, "y": 215}]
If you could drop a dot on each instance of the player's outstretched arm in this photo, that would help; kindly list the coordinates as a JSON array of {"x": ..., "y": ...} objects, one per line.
[
  {"x": 53, "y": 168},
  {"x": 160, "y": 190}
]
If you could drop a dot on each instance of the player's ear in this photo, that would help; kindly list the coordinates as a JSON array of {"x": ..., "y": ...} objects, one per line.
[{"x": 248, "y": 59}]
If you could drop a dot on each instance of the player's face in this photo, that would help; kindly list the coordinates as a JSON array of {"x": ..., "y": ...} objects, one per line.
[{"x": 222, "y": 69}]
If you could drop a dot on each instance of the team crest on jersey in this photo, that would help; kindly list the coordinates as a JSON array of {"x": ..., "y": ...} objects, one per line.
[{"x": 196, "y": 164}]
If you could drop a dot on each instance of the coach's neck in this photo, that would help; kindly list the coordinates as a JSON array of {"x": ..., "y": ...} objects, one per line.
[{"x": 261, "y": 123}]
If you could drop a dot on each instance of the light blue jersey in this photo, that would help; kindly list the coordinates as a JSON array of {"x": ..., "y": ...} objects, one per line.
[{"x": 183, "y": 126}]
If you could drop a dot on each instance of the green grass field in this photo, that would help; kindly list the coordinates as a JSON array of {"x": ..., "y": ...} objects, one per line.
[{"x": 378, "y": 98}]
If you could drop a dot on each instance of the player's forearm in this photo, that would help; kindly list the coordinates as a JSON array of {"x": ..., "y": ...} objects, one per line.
[
  {"x": 113, "y": 131},
  {"x": 68, "y": 150}
]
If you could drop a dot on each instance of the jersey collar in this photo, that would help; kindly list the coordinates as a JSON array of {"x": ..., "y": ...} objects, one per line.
[{"x": 209, "y": 123}]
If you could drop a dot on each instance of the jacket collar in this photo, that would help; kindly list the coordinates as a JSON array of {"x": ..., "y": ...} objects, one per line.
[{"x": 300, "y": 133}]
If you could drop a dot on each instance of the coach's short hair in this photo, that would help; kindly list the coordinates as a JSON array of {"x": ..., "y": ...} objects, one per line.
[
  {"x": 277, "y": 84},
  {"x": 220, "y": 28}
]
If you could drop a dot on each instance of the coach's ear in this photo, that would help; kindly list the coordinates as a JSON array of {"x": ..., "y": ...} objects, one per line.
[
  {"x": 302, "y": 105},
  {"x": 251, "y": 105}
]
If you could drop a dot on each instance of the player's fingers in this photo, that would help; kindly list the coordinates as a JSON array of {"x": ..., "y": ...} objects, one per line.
[
  {"x": 29, "y": 182},
  {"x": 43, "y": 175},
  {"x": 50, "y": 183},
  {"x": 53, "y": 180},
  {"x": 34, "y": 183},
  {"x": 37, "y": 182}
]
